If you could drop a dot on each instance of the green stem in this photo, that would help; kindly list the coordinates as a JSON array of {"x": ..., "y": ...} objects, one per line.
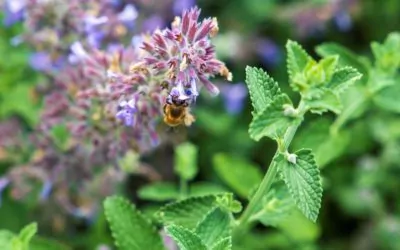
[
  {"x": 183, "y": 188},
  {"x": 271, "y": 172}
]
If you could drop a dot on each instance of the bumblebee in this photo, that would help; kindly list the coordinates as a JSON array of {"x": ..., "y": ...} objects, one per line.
[{"x": 177, "y": 113}]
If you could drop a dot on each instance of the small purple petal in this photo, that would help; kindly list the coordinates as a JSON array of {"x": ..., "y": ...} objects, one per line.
[{"x": 234, "y": 96}]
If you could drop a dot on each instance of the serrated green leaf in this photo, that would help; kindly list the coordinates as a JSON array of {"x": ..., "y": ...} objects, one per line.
[
  {"x": 297, "y": 59},
  {"x": 276, "y": 206},
  {"x": 343, "y": 78},
  {"x": 271, "y": 121},
  {"x": 303, "y": 181},
  {"x": 237, "y": 173},
  {"x": 186, "y": 239},
  {"x": 160, "y": 191},
  {"x": 329, "y": 64},
  {"x": 186, "y": 161},
  {"x": 27, "y": 233},
  {"x": 262, "y": 88},
  {"x": 224, "y": 244},
  {"x": 346, "y": 57},
  {"x": 214, "y": 227},
  {"x": 187, "y": 212},
  {"x": 228, "y": 203},
  {"x": 129, "y": 228},
  {"x": 324, "y": 100}
]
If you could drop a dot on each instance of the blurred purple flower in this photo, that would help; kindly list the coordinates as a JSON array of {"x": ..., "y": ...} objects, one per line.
[
  {"x": 14, "y": 11},
  {"x": 180, "y": 5},
  {"x": 92, "y": 22},
  {"x": 3, "y": 184},
  {"x": 126, "y": 112},
  {"x": 234, "y": 96},
  {"x": 343, "y": 20},
  {"x": 12, "y": 17},
  {"x": 152, "y": 23},
  {"x": 269, "y": 52},
  {"x": 41, "y": 61},
  {"x": 78, "y": 53},
  {"x": 128, "y": 14}
]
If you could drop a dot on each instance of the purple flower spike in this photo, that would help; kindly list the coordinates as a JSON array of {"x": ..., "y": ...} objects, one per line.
[
  {"x": 234, "y": 95},
  {"x": 126, "y": 112}
]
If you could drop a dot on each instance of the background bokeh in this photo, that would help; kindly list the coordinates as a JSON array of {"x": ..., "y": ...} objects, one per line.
[{"x": 361, "y": 202}]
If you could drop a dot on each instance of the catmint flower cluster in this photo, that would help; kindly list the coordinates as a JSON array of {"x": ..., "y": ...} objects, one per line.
[
  {"x": 106, "y": 103},
  {"x": 51, "y": 26},
  {"x": 185, "y": 57}
]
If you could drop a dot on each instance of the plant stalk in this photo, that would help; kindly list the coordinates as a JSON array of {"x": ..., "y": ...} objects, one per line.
[{"x": 272, "y": 170}]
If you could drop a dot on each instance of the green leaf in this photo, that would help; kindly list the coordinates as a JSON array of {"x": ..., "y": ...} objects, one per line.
[
  {"x": 5, "y": 239},
  {"x": 326, "y": 146},
  {"x": 272, "y": 121},
  {"x": 276, "y": 206},
  {"x": 224, "y": 244},
  {"x": 129, "y": 228},
  {"x": 187, "y": 212},
  {"x": 380, "y": 80},
  {"x": 343, "y": 78},
  {"x": 346, "y": 57},
  {"x": 160, "y": 191},
  {"x": 329, "y": 64},
  {"x": 387, "y": 55},
  {"x": 298, "y": 228},
  {"x": 303, "y": 181},
  {"x": 214, "y": 227},
  {"x": 323, "y": 100},
  {"x": 18, "y": 101},
  {"x": 205, "y": 188},
  {"x": 186, "y": 161},
  {"x": 186, "y": 239},
  {"x": 297, "y": 59},
  {"x": 228, "y": 202},
  {"x": 40, "y": 243},
  {"x": 27, "y": 233},
  {"x": 388, "y": 98},
  {"x": 262, "y": 88},
  {"x": 237, "y": 173}
]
